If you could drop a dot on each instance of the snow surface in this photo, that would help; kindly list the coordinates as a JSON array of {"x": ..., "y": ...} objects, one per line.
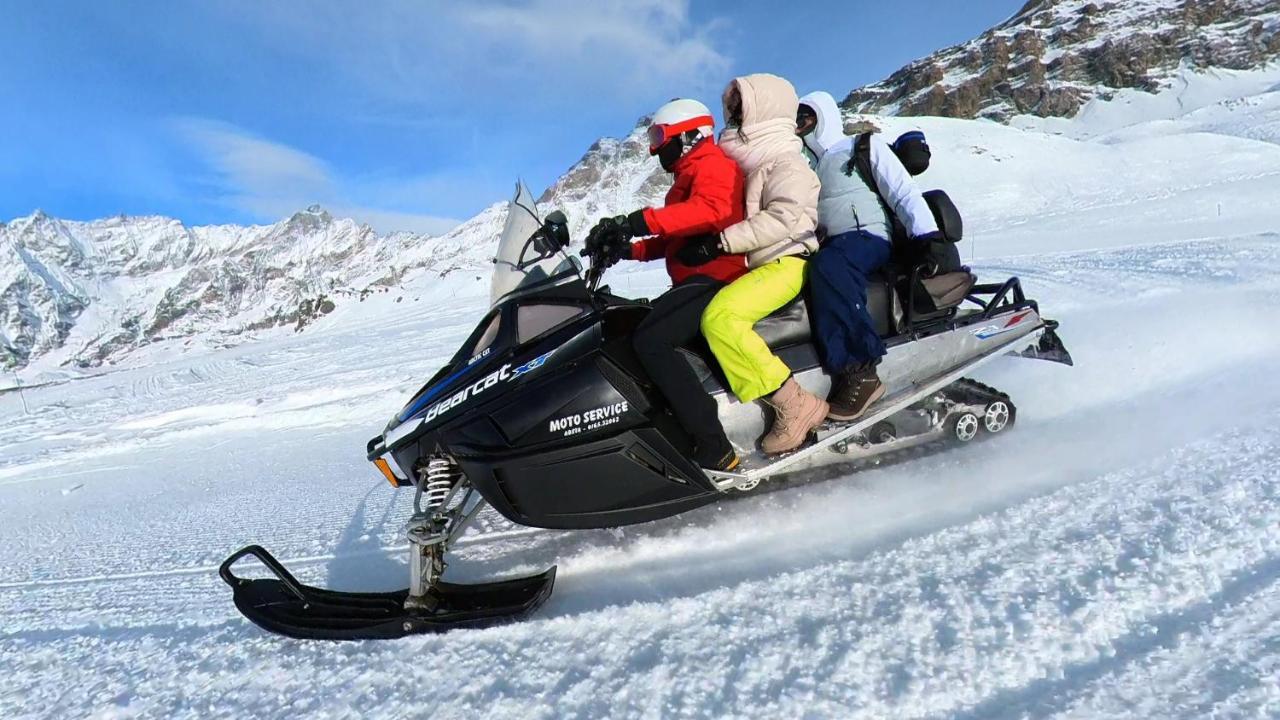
[{"x": 1117, "y": 555}]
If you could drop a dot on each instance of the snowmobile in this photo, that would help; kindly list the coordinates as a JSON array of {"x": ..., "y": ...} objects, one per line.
[{"x": 546, "y": 415}]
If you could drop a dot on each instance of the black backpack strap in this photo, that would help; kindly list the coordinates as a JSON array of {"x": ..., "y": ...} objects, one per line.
[
  {"x": 860, "y": 163},
  {"x": 860, "y": 160}
]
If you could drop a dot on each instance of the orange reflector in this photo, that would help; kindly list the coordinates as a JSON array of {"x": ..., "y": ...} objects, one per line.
[{"x": 386, "y": 472}]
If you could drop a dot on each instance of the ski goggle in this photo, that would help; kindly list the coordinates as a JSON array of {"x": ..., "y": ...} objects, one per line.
[{"x": 660, "y": 135}]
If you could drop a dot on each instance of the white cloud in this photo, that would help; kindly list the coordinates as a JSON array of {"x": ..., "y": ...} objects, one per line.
[
  {"x": 460, "y": 73},
  {"x": 255, "y": 164},
  {"x": 436, "y": 53},
  {"x": 270, "y": 180},
  {"x": 645, "y": 41}
]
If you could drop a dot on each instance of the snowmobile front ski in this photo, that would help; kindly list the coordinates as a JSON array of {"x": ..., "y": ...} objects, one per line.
[
  {"x": 285, "y": 606},
  {"x": 444, "y": 505}
]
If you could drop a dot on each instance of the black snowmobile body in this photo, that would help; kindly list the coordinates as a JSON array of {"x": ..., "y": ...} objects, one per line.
[{"x": 560, "y": 431}]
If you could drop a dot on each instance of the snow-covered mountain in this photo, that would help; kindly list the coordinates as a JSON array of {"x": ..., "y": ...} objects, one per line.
[
  {"x": 1053, "y": 56},
  {"x": 91, "y": 292}
]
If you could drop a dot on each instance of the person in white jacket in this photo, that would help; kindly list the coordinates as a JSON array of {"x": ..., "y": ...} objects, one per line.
[{"x": 858, "y": 233}]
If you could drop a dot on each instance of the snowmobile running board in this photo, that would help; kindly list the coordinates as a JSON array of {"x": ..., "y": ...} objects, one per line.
[
  {"x": 287, "y": 607},
  {"x": 748, "y": 476}
]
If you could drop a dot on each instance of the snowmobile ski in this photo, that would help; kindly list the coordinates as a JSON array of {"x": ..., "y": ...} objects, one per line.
[{"x": 285, "y": 606}]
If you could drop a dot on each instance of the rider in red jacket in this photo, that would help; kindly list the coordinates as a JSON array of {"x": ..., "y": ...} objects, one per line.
[{"x": 707, "y": 197}]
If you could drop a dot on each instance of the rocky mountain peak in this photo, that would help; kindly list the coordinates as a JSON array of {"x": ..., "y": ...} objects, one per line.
[
  {"x": 309, "y": 220},
  {"x": 1053, "y": 56},
  {"x": 616, "y": 175}
]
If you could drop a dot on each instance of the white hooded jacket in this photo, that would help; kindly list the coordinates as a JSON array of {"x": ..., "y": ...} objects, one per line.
[{"x": 845, "y": 203}]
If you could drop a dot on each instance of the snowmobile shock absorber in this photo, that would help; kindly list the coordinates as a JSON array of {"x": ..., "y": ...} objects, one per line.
[
  {"x": 428, "y": 530},
  {"x": 438, "y": 481}
]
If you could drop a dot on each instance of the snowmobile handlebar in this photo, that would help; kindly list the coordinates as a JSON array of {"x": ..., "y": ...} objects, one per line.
[
  {"x": 595, "y": 268},
  {"x": 597, "y": 262}
]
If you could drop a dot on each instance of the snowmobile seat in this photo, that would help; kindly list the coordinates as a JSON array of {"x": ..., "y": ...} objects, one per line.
[
  {"x": 789, "y": 332},
  {"x": 790, "y": 325}
]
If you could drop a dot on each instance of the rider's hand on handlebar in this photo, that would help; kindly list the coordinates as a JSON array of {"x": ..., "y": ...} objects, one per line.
[{"x": 609, "y": 241}]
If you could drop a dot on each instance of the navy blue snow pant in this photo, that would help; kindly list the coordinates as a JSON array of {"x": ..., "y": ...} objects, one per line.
[{"x": 838, "y": 282}]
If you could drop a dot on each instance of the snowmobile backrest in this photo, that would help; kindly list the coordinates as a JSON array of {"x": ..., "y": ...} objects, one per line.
[{"x": 950, "y": 224}]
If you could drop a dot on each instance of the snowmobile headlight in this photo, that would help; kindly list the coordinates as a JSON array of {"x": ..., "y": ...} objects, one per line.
[{"x": 381, "y": 464}]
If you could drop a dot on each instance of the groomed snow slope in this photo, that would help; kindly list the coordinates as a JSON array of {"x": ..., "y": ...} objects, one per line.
[{"x": 1118, "y": 555}]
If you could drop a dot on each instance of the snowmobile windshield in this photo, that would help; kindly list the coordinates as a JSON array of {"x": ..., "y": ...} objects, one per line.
[{"x": 526, "y": 259}]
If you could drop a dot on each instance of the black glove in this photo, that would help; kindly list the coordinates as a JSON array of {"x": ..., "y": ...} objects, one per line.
[
  {"x": 699, "y": 250},
  {"x": 636, "y": 224}
]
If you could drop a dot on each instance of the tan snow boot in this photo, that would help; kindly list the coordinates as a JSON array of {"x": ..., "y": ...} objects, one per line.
[{"x": 797, "y": 412}]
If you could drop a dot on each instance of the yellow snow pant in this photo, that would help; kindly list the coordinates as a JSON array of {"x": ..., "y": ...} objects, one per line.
[{"x": 752, "y": 369}]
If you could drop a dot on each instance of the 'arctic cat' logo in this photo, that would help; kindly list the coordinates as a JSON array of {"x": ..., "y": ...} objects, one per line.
[
  {"x": 479, "y": 386},
  {"x": 502, "y": 374}
]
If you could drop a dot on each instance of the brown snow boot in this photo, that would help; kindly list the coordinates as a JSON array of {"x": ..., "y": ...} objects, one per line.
[
  {"x": 796, "y": 413},
  {"x": 853, "y": 391}
]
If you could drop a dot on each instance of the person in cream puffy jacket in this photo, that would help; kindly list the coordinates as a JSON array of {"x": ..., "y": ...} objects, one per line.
[{"x": 776, "y": 235}]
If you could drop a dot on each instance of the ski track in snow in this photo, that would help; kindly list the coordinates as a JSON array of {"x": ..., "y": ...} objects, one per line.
[{"x": 1123, "y": 538}]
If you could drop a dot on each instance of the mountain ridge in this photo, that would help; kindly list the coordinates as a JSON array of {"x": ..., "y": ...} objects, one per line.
[{"x": 1053, "y": 56}]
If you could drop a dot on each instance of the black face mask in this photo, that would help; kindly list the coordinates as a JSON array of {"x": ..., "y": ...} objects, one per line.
[
  {"x": 806, "y": 115},
  {"x": 670, "y": 153}
]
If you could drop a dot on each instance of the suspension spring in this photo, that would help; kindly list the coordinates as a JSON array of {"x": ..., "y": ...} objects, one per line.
[{"x": 441, "y": 474}]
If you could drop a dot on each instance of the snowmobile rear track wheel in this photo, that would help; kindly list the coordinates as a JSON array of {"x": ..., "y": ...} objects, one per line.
[
  {"x": 964, "y": 427},
  {"x": 882, "y": 432},
  {"x": 997, "y": 416}
]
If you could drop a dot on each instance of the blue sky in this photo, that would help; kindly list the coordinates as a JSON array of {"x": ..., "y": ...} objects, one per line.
[{"x": 407, "y": 115}]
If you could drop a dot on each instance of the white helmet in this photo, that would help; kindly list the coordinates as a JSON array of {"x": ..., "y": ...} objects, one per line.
[{"x": 677, "y": 118}]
